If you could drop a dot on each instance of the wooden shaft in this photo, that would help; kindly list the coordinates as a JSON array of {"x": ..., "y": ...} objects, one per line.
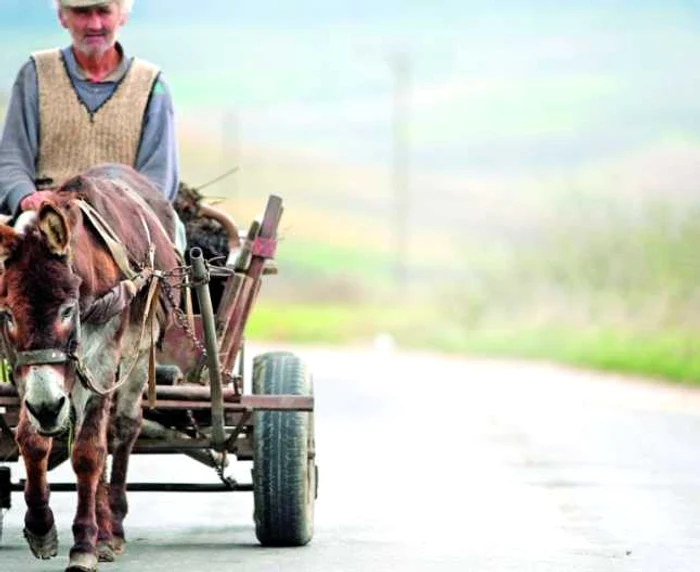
[{"x": 201, "y": 281}]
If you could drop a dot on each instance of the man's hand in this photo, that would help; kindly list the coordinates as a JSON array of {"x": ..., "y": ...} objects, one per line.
[{"x": 33, "y": 201}]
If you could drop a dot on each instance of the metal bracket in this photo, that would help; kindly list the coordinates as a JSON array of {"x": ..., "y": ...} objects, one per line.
[{"x": 264, "y": 247}]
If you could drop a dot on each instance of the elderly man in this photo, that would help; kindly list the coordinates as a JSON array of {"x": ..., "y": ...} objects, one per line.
[
  {"x": 82, "y": 105},
  {"x": 79, "y": 106}
]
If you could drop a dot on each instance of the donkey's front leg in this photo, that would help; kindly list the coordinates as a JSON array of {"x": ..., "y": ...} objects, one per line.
[
  {"x": 126, "y": 430},
  {"x": 105, "y": 552},
  {"x": 39, "y": 526},
  {"x": 89, "y": 455}
]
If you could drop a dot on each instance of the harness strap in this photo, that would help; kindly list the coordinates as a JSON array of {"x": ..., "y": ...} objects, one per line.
[
  {"x": 40, "y": 357},
  {"x": 116, "y": 248},
  {"x": 148, "y": 320},
  {"x": 149, "y": 311}
]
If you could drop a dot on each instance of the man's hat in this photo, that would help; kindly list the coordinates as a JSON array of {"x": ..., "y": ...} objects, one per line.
[{"x": 83, "y": 3}]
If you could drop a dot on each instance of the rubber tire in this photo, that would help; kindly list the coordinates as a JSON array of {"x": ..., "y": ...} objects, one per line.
[{"x": 284, "y": 470}]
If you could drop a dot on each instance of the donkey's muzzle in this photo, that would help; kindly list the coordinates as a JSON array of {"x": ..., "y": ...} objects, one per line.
[{"x": 48, "y": 414}]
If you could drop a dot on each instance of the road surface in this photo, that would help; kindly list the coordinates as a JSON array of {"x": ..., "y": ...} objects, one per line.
[{"x": 443, "y": 463}]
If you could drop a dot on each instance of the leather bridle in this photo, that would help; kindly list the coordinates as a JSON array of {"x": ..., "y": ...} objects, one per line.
[{"x": 43, "y": 356}]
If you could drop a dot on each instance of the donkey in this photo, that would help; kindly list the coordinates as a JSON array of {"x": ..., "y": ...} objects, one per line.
[{"x": 73, "y": 329}]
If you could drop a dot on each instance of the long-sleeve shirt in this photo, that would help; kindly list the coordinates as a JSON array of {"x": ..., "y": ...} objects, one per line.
[{"x": 156, "y": 158}]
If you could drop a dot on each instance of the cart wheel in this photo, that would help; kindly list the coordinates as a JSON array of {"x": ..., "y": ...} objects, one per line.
[{"x": 284, "y": 469}]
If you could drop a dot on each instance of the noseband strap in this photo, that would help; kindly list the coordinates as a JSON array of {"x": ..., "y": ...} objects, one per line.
[{"x": 40, "y": 357}]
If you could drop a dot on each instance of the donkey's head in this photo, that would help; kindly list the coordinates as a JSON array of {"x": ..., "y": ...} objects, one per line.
[{"x": 39, "y": 313}]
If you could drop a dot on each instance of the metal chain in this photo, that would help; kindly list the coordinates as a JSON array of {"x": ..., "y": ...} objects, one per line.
[
  {"x": 219, "y": 466},
  {"x": 181, "y": 317},
  {"x": 232, "y": 378},
  {"x": 183, "y": 322}
]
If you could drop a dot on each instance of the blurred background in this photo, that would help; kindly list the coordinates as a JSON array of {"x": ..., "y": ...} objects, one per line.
[{"x": 517, "y": 178}]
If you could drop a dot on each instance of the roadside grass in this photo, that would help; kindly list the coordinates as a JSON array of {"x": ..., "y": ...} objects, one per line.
[
  {"x": 331, "y": 323},
  {"x": 321, "y": 258},
  {"x": 671, "y": 355}
]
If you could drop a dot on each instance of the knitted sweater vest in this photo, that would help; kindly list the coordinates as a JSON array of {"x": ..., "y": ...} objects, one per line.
[{"x": 71, "y": 139}]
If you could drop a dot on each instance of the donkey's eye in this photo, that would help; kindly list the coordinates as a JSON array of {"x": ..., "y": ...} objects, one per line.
[
  {"x": 7, "y": 319},
  {"x": 67, "y": 312}
]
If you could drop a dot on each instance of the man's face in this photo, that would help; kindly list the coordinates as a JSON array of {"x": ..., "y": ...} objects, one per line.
[{"x": 94, "y": 28}]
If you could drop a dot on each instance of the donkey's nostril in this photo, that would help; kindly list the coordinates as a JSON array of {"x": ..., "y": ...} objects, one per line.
[
  {"x": 31, "y": 409},
  {"x": 47, "y": 413}
]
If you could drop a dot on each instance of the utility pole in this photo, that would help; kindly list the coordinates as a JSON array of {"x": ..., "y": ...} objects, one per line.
[
  {"x": 401, "y": 72},
  {"x": 230, "y": 151}
]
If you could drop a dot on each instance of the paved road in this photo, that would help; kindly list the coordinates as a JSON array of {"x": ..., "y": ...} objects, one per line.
[{"x": 431, "y": 463}]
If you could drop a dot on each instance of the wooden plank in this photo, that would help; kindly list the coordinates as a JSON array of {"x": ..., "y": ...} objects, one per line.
[{"x": 252, "y": 402}]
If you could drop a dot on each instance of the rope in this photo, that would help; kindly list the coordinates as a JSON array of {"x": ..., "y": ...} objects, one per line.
[{"x": 149, "y": 313}]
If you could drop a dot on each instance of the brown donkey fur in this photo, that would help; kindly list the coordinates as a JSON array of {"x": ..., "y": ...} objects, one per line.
[{"x": 55, "y": 268}]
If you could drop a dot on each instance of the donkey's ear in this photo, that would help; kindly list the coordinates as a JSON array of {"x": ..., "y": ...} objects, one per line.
[
  {"x": 9, "y": 240},
  {"x": 54, "y": 226}
]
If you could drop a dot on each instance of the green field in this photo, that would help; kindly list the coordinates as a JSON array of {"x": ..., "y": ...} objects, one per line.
[{"x": 615, "y": 291}]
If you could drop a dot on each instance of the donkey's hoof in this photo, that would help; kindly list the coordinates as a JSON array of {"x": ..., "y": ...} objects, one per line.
[
  {"x": 118, "y": 545},
  {"x": 82, "y": 562},
  {"x": 43, "y": 546},
  {"x": 105, "y": 552}
]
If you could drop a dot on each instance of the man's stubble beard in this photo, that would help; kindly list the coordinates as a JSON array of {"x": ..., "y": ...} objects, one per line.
[{"x": 95, "y": 51}]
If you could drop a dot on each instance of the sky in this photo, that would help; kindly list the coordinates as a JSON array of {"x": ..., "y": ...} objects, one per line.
[{"x": 510, "y": 88}]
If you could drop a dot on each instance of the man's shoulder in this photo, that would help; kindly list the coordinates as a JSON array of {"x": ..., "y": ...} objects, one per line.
[
  {"x": 145, "y": 65},
  {"x": 27, "y": 73},
  {"x": 47, "y": 58},
  {"x": 48, "y": 53},
  {"x": 159, "y": 87},
  {"x": 29, "y": 66},
  {"x": 144, "y": 73}
]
